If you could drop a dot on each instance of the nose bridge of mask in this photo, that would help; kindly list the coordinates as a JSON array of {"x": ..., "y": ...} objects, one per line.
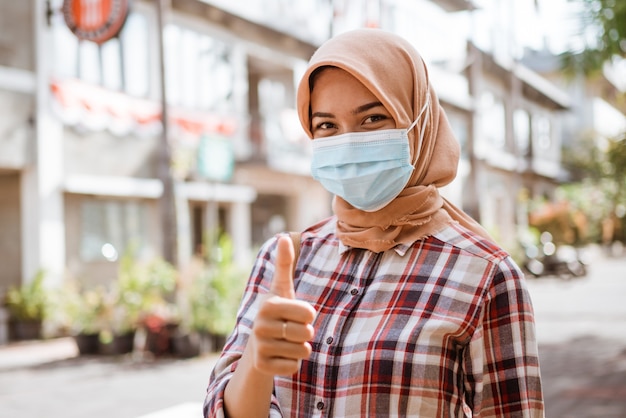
[
  {"x": 423, "y": 111},
  {"x": 365, "y": 147}
]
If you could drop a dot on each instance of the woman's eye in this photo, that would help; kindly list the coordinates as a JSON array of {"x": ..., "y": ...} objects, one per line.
[
  {"x": 324, "y": 125},
  {"x": 375, "y": 118}
]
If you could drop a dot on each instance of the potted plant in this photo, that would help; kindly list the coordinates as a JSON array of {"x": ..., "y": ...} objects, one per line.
[
  {"x": 160, "y": 325},
  {"x": 186, "y": 340},
  {"x": 119, "y": 324},
  {"x": 143, "y": 299},
  {"x": 27, "y": 305},
  {"x": 89, "y": 318},
  {"x": 82, "y": 314},
  {"x": 215, "y": 295}
]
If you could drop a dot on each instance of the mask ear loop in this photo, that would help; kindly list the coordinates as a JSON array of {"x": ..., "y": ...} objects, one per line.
[{"x": 422, "y": 130}]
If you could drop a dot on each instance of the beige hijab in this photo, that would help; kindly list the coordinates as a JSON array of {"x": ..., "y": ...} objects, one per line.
[{"x": 396, "y": 74}]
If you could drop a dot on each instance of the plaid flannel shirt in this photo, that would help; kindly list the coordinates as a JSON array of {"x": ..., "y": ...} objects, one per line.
[{"x": 441, "y": 328}]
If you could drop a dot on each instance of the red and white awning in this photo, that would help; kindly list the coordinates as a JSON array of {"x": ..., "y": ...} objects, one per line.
[{"x": 95, "y": 108}]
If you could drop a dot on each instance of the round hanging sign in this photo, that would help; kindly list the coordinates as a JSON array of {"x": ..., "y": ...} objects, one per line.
[{"x": 95, "y": 20}]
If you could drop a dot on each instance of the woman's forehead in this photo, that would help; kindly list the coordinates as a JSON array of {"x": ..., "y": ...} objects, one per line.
[{"x": 333, "y": 85}]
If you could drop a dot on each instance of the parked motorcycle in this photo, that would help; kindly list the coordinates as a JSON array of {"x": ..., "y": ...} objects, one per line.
[{"x": 549, "y": 260}]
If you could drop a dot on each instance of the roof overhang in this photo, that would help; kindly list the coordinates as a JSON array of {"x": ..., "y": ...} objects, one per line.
[
  {"x": 455, "y": 5},
  {"x": 115, "y": 186},
  {"x": 244, "y": 29},
  {"x": 534, "y": 86},
  {"x": 16, "y": 80}
]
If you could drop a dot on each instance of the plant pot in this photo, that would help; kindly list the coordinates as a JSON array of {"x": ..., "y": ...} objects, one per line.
[
  {"x": 124, "y": 343},
  {"x": 119, "y": 344},
  {"x": 218, "y": 342},
  {"x": 25, "y": 329},
  {"x": 211, "y": 343},
  {"x": 186, "y": 345},
  {"x": 159, "y": 340},
  {"x": 87, "y": 343}
]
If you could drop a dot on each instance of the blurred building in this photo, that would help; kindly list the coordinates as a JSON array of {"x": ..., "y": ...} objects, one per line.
[
  {"x": 81, "y": 168},
  {"x": 597, "y": 111},
  {"x": 81, "y": 144}
]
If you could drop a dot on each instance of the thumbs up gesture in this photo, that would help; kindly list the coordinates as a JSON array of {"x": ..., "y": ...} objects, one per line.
[
  {"x": 282, "y": 327},
  {"x": 282, "y": 282}
]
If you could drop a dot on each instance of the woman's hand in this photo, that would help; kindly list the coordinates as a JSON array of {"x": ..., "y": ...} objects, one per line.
[
  {"x": 283, "y": 326},
  {"x": 279, "y": 341}
]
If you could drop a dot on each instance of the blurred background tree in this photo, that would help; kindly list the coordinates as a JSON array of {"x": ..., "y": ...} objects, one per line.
[
  {"x": 593, "y": 203},
  {"x": 602, "y": 34}
]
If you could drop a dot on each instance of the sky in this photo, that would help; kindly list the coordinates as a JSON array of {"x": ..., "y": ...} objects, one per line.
[
  {"x": 559, "y": 23},
  {"x": 532, "y": 23}
]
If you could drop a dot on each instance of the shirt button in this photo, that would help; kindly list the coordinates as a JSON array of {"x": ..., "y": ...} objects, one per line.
[
  {"x": 354, "y": 292},
  {"x": 320, "y": 405},
  {"x": 329, "y": 340}
]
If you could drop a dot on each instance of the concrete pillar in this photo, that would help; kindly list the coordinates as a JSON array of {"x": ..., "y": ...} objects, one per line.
[
  {"x": 307, "y": 208},
  {"x": 241, "y": 232},
  {"x": 43, "y": 231},
  {"x": 471, "y": 202},
  {"x": 185, "y": 252},
  {"x": 4, "y": 326}
]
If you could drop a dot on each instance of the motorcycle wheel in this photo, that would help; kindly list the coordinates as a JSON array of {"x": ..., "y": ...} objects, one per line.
[
  {"x": 535, "y": 267},
  {"x": 577, "y": 269}
]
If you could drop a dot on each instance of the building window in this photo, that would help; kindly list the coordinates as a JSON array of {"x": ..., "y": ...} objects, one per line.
[
  {"x": 112, "y": 65},
  {"x": 493, "y": 120},
  {"x": 120, "y": 64},
  {"x": 460, "y": 127},
  {"x": 542, "y": 132},
  {"x": 272, "y": 99},
  {"x": 521, "y": 127},
  {"x": 135, "y": 42},
  {"x": 109, "y": 227},
  {"x": 200, "y": 73},
  {"x": 90, "y": 62}
]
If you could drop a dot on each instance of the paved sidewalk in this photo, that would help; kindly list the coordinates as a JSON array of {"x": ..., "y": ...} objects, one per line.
[
  {"x": 581, "y": 328},
  {"x": 31, "y": 353},
  {"x": 48, "y": 378},
  {"x": 584, "y": 378}
]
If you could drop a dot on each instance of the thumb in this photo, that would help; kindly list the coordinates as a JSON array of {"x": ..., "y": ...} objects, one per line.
[{"x": 282, "y": 282}]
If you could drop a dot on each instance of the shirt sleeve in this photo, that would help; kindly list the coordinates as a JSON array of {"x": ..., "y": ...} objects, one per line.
[
  {"x": 235, "y": 344},
  {"x": 502, "y": 362}
]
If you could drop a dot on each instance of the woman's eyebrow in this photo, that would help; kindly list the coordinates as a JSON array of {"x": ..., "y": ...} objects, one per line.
[
  {"x": 366, "y": 107},
  {"x": 363, "y": 108},
  {"x": 321, "y": 115}
]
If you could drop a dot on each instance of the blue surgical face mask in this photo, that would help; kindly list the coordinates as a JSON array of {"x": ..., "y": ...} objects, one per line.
[{"x": 366, "y": 169}]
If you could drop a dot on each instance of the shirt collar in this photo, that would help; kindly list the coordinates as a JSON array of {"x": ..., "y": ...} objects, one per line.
[{"x": 400, "y": 249}]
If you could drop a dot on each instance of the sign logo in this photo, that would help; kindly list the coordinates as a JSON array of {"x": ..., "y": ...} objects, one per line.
[
  {"x": 215, "y": 158},
  {"x": 95, "y": 20}
]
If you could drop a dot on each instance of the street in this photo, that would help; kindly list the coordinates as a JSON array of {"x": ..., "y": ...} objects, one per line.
[
  {"x": 100, "y": 387},
  {"x": 581, "y": 325}
]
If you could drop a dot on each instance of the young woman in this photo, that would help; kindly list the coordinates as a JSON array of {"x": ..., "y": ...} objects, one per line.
[{"x": 400, "y": 305}]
